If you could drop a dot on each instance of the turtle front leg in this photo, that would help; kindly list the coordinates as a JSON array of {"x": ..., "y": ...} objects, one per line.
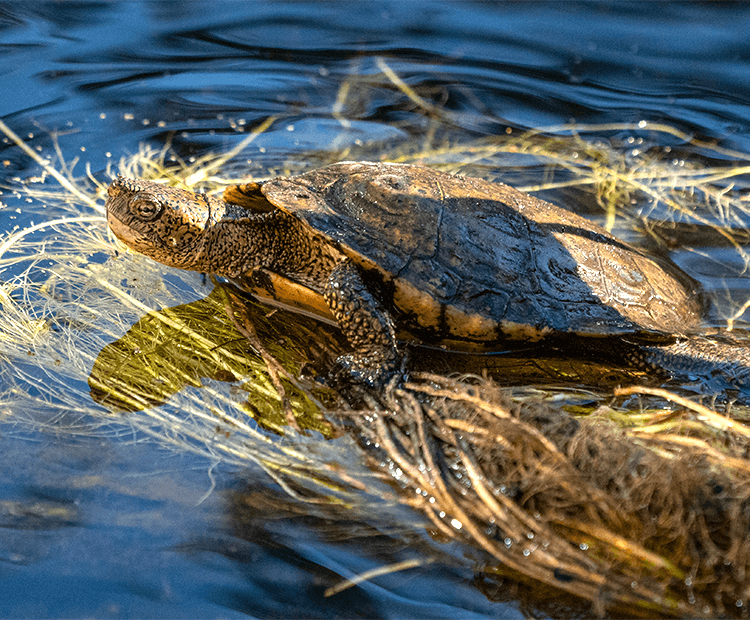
[{"x": 365, "y": 323}]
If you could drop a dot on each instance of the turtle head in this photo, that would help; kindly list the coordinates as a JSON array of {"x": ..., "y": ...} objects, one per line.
[{"x": 165, "y": 223}]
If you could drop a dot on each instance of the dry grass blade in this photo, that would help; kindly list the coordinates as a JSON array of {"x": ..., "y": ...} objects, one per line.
[
  {"x": 376, "y": 572},
  {"x": 66, "y": 183},
  {"x": 717, "y": 421}
]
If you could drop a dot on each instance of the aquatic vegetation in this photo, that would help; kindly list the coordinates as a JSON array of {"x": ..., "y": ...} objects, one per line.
[{"x": 634, "y": 500}]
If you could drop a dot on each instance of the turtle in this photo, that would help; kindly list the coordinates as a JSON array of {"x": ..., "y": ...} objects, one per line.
[{"x": 386, "y": 249}]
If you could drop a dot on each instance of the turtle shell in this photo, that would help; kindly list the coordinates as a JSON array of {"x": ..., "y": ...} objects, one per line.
[{"x": 481, "y": 261}]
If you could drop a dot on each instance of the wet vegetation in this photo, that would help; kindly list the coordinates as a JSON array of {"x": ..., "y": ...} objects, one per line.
[{"x": 627, "y": 493}]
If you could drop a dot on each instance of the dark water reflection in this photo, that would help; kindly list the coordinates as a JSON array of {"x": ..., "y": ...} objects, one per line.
[
  {"x": 113, "y": 527},
  {"x": 109, "y": 529},
  {"x": 155, "y": 68}
]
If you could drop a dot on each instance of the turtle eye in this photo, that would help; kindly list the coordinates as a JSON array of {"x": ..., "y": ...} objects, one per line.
[{"x": 146, "y": 210}]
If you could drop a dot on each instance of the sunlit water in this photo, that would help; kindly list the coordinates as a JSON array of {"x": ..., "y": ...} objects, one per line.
[{"x": 113, "y": 524}]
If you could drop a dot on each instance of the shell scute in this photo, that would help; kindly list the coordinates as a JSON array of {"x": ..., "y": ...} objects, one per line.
[{"x": 482, "y": 260}]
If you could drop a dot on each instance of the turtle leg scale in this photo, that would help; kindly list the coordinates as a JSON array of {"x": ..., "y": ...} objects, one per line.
[{"x": 367, "y": 326}]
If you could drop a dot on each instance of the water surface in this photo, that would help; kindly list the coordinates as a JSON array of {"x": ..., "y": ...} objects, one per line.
[{"x": 108, "y": 522}]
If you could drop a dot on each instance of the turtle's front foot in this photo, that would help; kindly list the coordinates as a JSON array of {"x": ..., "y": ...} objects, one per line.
[
  {"x": 360, "y": 378},
  {"x": 370, "y": 371}
]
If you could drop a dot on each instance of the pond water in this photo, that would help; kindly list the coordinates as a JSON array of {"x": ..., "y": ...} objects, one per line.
[{"x": 109, "y": 522}]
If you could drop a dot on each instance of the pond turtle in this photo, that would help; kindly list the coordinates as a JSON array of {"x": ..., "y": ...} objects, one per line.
[{"x": 381, "y": 247}]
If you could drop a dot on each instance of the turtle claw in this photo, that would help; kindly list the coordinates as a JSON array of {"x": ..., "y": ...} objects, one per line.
[
  {"x": 356, "y": 375},
  {"x": 365, "y": 370}
]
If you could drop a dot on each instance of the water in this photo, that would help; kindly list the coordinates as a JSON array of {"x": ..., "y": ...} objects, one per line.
[{"x": 113, "y": 524}]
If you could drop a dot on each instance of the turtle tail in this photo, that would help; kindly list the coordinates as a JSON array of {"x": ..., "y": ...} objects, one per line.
[{"x": 699, "y": 356}]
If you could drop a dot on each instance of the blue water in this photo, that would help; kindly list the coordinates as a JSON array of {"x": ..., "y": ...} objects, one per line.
[{"x": 121, "y": 528}]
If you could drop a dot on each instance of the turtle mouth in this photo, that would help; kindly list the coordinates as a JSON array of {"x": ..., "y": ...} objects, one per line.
[{"x": 122, "y": 231}]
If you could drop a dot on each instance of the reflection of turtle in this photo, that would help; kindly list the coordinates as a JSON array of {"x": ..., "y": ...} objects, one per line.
[{"x": 461, "y": 261}]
